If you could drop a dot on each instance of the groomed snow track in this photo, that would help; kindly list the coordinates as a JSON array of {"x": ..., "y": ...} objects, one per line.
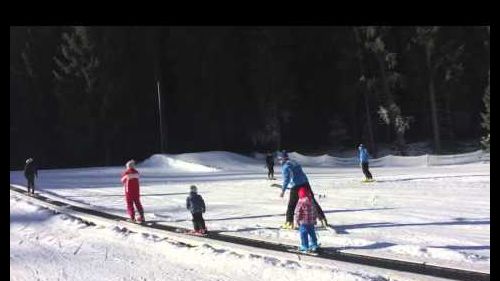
[{"x": 98, "y": 217}]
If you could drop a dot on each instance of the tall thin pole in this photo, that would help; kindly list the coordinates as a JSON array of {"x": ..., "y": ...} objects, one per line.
[{"x": 159, "y": 112}]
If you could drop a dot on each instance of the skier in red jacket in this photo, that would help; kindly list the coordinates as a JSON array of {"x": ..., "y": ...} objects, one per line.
[{"x": 130, "y": 180}]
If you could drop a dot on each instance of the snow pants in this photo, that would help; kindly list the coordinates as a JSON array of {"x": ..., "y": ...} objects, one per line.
[
  {"x": 367, "y": 173},
  {"x": 270, "y": 171},
  {"x": 294, "y": 198},
  {"x": 198, "y": 221},
  {"x": 307, "y": 231},
  {"x": 132, "y": 198},
  {"x": 31, "y": 184}
]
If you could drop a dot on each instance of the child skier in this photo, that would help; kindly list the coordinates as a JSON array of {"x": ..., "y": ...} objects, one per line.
[
  {"x": 196, "y": 205},
  {"x": 305, "y": 218},
  {"x": 130, "y": 180}
]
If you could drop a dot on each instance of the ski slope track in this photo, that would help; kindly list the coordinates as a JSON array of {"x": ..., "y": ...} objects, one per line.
[{"x": 214, "y": 237}]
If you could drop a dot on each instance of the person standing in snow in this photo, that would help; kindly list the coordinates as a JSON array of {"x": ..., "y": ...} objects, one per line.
[
  {"x": 196, "y": 205},
  {"x": 130, "y": 180},
  {"x": 270, "y": 166},
  {"x": 30, "y": 172},
  {"x": 305, "y": 217},
  {"x": 363, "y": 162},
  {"x": 296, "y": 178}
]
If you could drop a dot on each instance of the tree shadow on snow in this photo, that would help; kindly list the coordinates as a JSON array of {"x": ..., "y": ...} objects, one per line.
[
  {"x": 342, "y": 229},
  {"x": 453, "y": 247},
  {"x": 376, "y": 245},
  {"x": 431, "y": 178},
  {"x": 122, "y": 195},
  {"x": 283, "y": 214}
]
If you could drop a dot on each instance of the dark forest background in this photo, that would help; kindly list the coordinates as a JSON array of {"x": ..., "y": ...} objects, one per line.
[{"x": 87, "y": 96}]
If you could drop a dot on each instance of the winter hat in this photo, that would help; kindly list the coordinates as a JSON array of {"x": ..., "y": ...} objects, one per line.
[
  {"x": 130, "y": 164},
  {"x": 303, "y": 192},
  {"x": 193, "y": 188},
  {"x": 283, "y": 155}
]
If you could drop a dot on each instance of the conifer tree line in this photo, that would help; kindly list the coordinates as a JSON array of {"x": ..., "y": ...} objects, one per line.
[{"x": 87, "y": 95}]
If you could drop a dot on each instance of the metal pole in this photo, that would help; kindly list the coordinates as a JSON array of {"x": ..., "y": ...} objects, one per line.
[{"x": 159, "y": 111}]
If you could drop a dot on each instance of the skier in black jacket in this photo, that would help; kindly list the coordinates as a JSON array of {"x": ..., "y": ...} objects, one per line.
[
  {"x": 30, "y": 172},
  {"x": 196, "y": 205},
  {"x": 270, "y": 166}
]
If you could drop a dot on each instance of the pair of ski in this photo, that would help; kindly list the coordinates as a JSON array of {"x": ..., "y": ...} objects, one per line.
[
  {"x": 297, "y": 250},
  {"x": 367, "y": 181},
  {"x": 191, "y": 232},
  {"x": 326, "y": 227}
]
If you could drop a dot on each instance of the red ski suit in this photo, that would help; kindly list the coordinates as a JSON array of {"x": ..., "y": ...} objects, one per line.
[{"x": 130, "y": 180}]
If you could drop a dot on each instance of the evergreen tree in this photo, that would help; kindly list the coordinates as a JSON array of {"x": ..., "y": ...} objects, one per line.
[
  {"x": 485, "y": 141},
  {"x": 75, "y": 80}
]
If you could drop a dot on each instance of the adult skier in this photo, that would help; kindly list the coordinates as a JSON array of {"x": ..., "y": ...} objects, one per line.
[
  {"x": 363, "y": 162},
  {"x": 30, "y": 172},
  {"x": 270, "y": 166},
  {"x": 293, "y": 179}
]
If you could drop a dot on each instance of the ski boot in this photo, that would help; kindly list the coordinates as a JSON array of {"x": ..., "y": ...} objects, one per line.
[
  {"x": 287, "y": 225},
  {"x": 303, "y": 249},
  {"x": 141, "y": 219},
  {"x": 313, "y": 248}
]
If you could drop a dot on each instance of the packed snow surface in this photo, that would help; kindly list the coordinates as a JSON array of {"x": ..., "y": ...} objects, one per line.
[{"x": 429, "y": 209}]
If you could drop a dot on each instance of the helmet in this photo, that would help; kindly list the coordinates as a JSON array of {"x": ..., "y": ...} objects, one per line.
[{"x": 283, "y": 155}]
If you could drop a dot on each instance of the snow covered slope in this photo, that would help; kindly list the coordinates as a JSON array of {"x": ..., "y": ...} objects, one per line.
[{"x": 420, "y": 212}]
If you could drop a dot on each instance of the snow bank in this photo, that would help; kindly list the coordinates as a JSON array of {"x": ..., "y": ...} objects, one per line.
[
  {"x": 211, "y": 161},
  {"x": 168, "y": 162},
  {"x": 214, "y": 161}
]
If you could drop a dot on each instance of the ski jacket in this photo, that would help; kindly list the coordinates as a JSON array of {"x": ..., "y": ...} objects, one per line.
[
  {"x": 363, "y": 155},
  {"x": 195, "y": 203},
  {"x": 305, "y": 213},
  {"x": 130, "y": 180},
  {"x": 30, "y": 170},
  {"x": 270, "y": 161},
  {"x": 292, "y": 175}
]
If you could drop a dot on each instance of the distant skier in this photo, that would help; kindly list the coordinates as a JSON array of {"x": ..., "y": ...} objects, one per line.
[
  {"x": 305, "y": 217},
  {"x": 196, "y": 205},
  {"x": 296, "y": 178},
  {"x": 270, "y": 166},
  {"x": 363, "y": 162},
  {"x": 30, "y": 172},
  {"x": 130, "y": 180}
]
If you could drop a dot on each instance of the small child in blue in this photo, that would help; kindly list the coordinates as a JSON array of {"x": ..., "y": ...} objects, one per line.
[{"x": 196, "y": 205}]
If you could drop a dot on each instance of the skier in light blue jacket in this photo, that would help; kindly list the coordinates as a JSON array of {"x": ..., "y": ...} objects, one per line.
[
  {"x": 293, "y": 179},
  {"x": 363, "y": 162}
]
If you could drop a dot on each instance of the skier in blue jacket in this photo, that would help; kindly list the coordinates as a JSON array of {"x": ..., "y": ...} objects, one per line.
[
  {"x": 363, "y": 162},
  {"x": 293, "y": 179},
  {"x": 196, "y": 205}
]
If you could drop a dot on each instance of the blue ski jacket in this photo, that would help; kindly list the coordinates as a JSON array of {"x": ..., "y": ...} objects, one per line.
[
  {"x": 363, "y": 155},
  {"x": 195, "y": 203},
  {"x": 293, "y": 175}
]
